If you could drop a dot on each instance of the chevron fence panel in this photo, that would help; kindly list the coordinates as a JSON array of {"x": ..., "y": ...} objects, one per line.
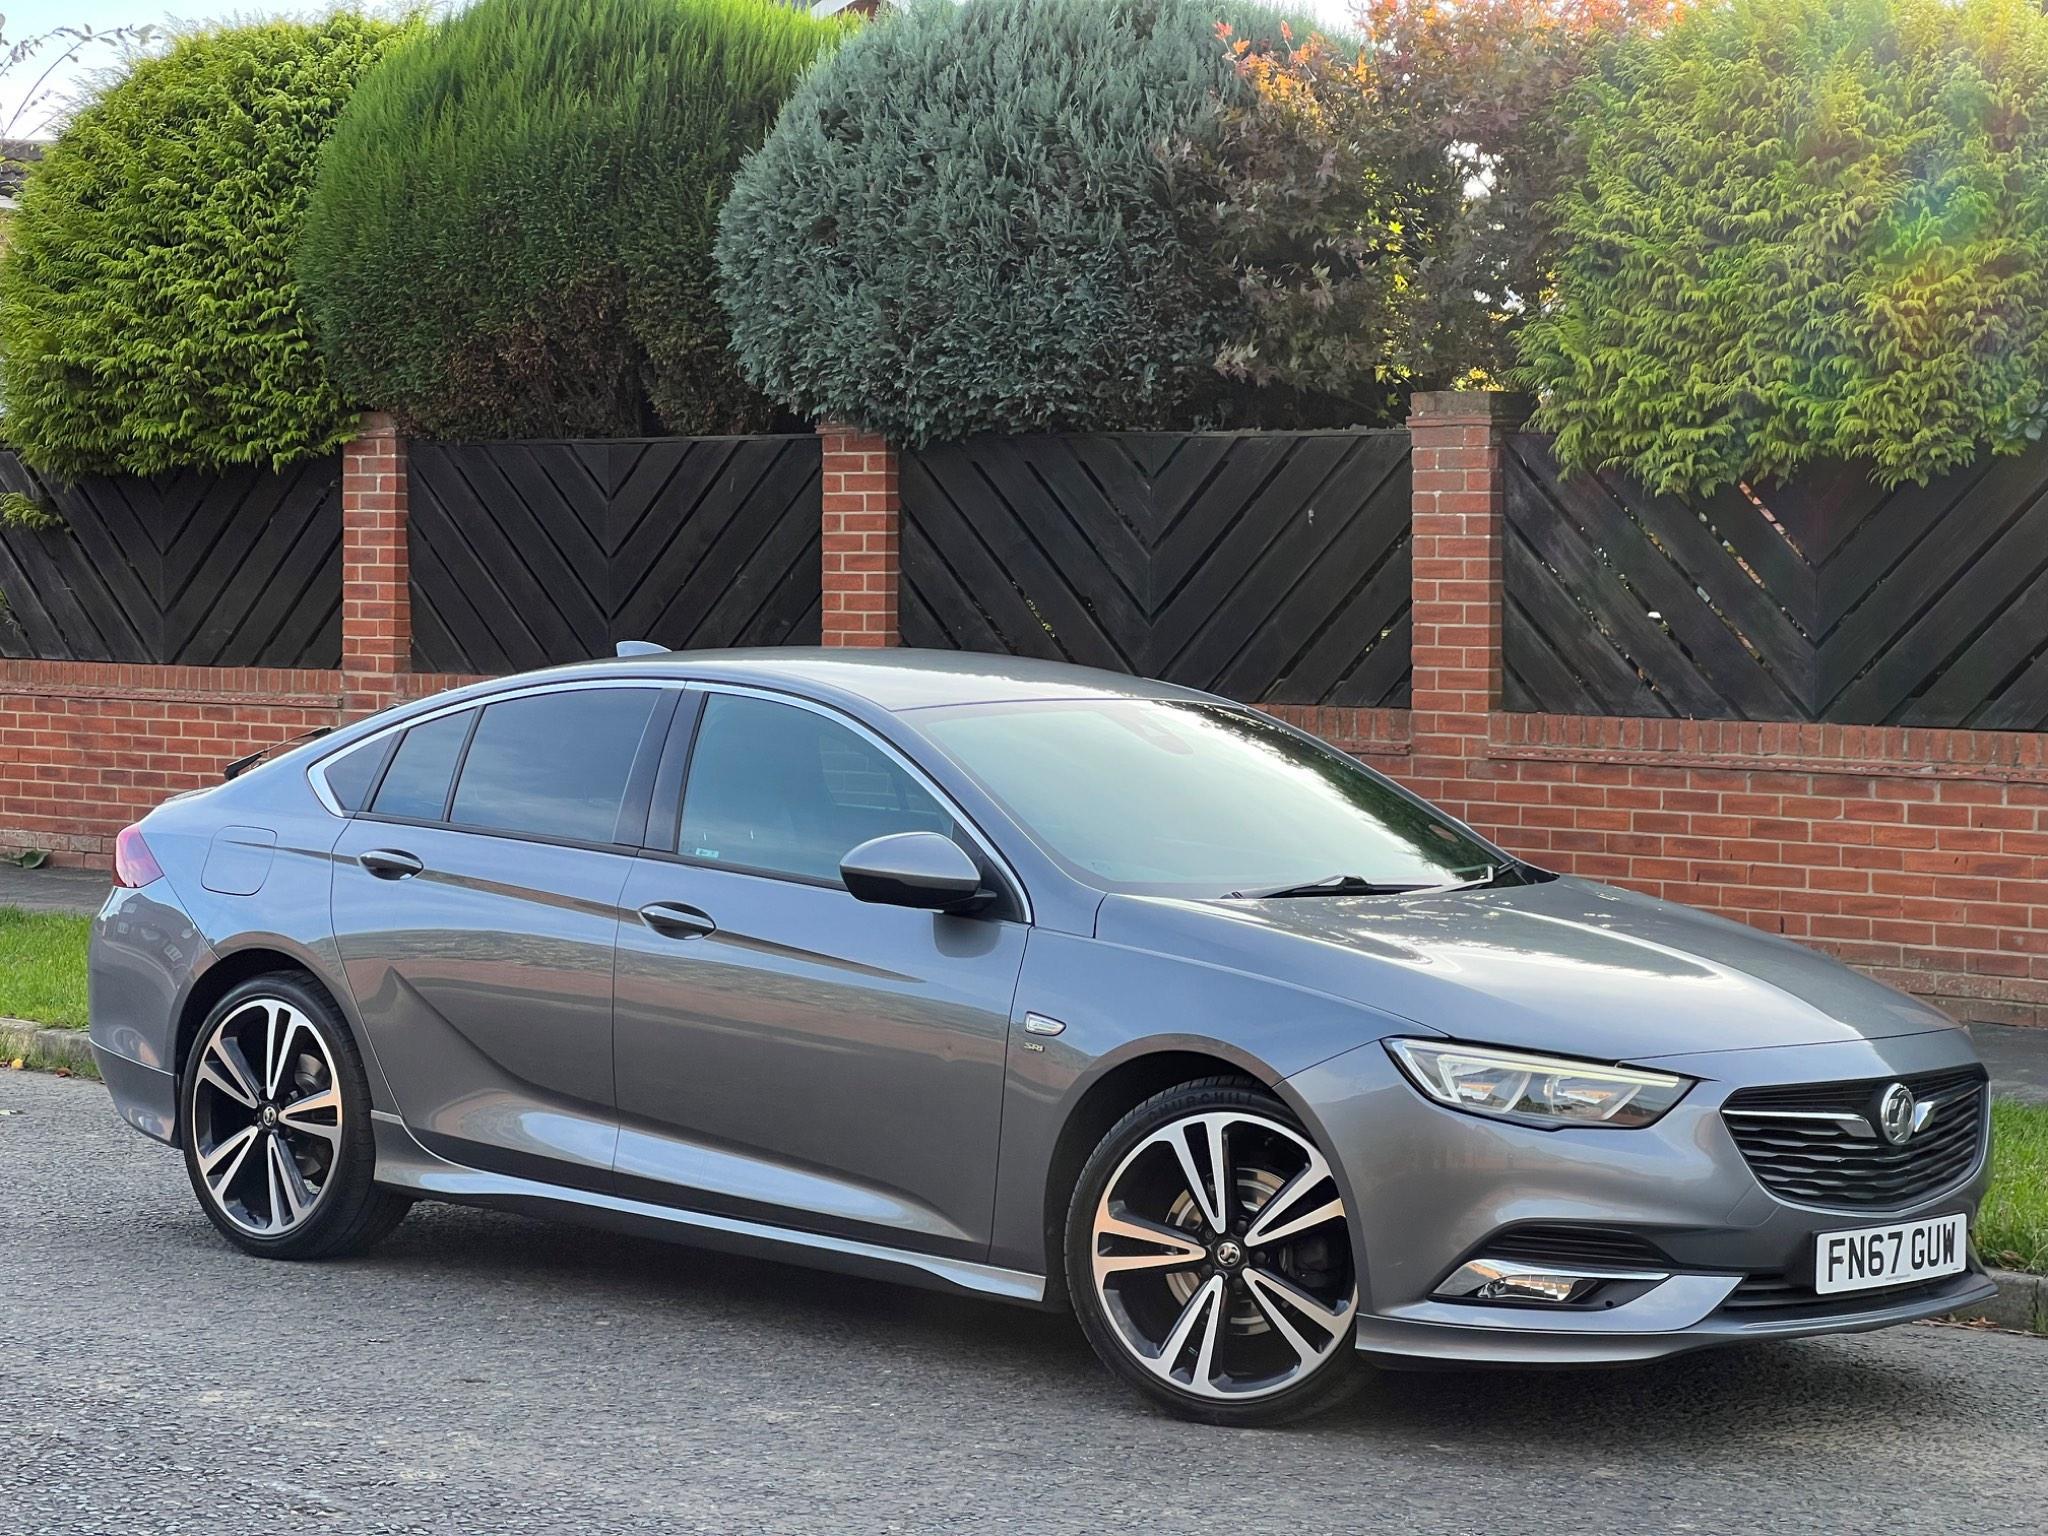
[
  {"x": 1269, "y": 566},
  {"x": 234, "y": 569},
  {"x": 525, "y": 554},
  {"x": 1829, "y": 599}
]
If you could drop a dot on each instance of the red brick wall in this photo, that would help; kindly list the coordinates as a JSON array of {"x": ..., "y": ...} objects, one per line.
[
  {"x": 1457, "y": 491},
  {"x": 86, "y": 748},
  {"x": 1920, "y": 856},
  {"x": 376, "y": 596},
  {"x": 862, "y": 552}
]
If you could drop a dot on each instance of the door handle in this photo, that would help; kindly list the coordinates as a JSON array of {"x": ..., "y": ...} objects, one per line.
[
  {"x": 390, "y": 863},
  {"x": 673, "y": 920}
]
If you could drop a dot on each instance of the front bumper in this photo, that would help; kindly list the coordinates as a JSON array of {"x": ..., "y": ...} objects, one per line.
[{"x": 1430, "y": 1187}]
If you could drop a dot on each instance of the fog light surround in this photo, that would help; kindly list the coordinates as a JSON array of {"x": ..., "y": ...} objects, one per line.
[
  {"x": 1544, "y": 1284},
  {"x": 1550, "y": 1092}
]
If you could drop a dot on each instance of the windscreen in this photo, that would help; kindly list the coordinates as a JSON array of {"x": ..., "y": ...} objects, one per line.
[{"x": 1180, "y": 798}]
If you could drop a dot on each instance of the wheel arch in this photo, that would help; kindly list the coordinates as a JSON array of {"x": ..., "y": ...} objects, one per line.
[
  {"x": 233, "y": 968},
  {"x": 1118, "y": 1084}
]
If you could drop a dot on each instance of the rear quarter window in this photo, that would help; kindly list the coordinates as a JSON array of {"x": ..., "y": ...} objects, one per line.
[
  {"x": 351, "y": 776},
  {"x": 416, "y": 786}
]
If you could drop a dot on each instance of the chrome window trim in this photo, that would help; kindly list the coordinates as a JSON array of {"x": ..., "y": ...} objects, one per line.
[
  {"x": 888, "y": 749},
  {"x": 316, "y": 771},
  {"x": 316, "y": 775}
]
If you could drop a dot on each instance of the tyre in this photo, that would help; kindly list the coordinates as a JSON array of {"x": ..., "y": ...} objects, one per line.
[
  {"x": 1209, "y": 1257},
  {"x": 275, "y": 1125}
]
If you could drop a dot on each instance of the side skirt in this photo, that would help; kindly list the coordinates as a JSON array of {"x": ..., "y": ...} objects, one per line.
[{"x": 402, "y": 1163}]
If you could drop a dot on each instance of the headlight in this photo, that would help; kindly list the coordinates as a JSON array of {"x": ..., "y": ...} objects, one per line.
[{"x": 1536, "y": 1090}]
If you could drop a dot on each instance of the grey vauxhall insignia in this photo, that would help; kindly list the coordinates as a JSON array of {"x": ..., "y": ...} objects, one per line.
[{"x": 1030, "y": 982}]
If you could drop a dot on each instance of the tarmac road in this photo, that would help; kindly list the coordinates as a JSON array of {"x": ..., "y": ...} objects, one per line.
[{"x": 486, "y": 1373}]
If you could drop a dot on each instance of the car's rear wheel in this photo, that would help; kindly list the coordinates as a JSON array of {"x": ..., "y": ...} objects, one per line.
[
  {"x": 275, "y": 1125},
  {"x": 1209, "y": 1257}
]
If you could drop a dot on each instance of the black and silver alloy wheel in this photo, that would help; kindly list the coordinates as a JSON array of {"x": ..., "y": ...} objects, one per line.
[
  {"x": 276, "y": 1126},
  {"x": 266, "y": 1116},
  {"x": 1214, "y": 1268}
]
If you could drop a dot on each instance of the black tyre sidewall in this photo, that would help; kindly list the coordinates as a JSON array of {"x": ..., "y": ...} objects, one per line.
[
  {"x": 1338, "y": 1376},
  {"x": 352, "y": 1181}
]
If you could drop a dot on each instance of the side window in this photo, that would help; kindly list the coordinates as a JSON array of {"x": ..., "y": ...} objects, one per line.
[
  {"x": 781, "y": 789},
  {"x": 554, "y": 764},
  {"x": 351, "y": 776},
  {"x": 416, "y": 785}
]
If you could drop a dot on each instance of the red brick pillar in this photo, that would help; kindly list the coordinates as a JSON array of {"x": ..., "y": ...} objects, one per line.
[
  {"x": 376, "y": 603},
  {"x": 1459, "y": 494},
  {"x": 862, "y": 518}
]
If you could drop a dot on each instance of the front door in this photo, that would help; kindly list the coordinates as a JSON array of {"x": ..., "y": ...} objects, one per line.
[
  {"x": 785, "y": 1052},
  {"x": 476, "y": 904}
]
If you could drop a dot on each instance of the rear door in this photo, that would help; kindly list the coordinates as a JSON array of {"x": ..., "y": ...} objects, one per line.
[
  {"x": 787, "y": 1052},
  {"x": 476, "y": 904}
]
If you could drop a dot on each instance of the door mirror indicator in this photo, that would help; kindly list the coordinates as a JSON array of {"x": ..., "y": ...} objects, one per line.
[{"x": 926, "y": 870}]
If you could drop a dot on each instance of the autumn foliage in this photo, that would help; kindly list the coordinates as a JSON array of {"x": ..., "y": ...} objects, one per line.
[{"x": 1382, "y": 203}]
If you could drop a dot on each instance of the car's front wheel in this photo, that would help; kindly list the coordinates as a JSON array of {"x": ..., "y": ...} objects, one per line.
[
  {"x": 275, "y": 1124},
  {"x": 1209, "y": 1257}
]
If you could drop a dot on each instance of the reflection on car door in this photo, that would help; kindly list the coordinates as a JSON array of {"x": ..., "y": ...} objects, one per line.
[
  {"x": 786, "y": 1052},
  {"x": 476, "y": 905}
]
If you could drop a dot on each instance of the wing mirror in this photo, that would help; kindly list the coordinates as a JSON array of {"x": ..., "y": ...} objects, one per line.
[{"x": 926, "y": 870}]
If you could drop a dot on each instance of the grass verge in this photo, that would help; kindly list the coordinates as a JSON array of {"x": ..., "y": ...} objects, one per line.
[
  {"x": 2012, "y": 1227},
  {"x": 42, "y": 967}
]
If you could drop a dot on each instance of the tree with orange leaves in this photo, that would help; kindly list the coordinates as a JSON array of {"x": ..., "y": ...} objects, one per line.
[{"x": 1380, "y": 199}]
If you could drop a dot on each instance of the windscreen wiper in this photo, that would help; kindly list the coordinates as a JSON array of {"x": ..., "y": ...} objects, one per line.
[
  {"x": 1329, "y": 885},
  {"x": 1358, "y": 885}
]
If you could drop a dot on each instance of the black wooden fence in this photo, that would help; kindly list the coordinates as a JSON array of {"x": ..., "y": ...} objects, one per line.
[
  {"x": 241, "y": 568},
  {"x": 1828, "y": 599},
  {"x": 525, "y": 554},
  {"x": 1269, "y": 566}
]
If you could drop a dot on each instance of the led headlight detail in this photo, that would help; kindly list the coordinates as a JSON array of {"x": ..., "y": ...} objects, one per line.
[{"x": 1536, "y": 1090}]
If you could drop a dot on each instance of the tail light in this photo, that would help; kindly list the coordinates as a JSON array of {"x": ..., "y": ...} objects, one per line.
[{"x": 134, "y": 865}]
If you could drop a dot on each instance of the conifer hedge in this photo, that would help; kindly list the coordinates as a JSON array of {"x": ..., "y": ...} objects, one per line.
[
  {"x": 964, "y": 221},
  {"x": 1806, "y": 229},
  {"x": 149, "y": 317},
  {"x": 511, "y": 232}
]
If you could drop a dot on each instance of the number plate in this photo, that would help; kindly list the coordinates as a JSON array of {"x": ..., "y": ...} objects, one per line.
[{"x": 1873, "y": 1256}]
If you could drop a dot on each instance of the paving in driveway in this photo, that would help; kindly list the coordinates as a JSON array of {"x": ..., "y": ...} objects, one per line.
[
  {"x": 2017, "y": 1058},
  {"x": 485, "y": 1373}
]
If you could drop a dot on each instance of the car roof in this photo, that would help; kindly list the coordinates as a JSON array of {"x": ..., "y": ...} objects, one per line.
[{"x": 891, "y": 679}]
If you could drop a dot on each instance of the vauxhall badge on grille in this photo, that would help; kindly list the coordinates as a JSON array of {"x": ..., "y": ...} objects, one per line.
[{"x": 1900, "y": 1116}]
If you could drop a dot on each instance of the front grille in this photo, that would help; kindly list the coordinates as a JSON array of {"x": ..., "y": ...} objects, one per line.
[
  {"x": 1830, "y": 1162},
  {"x": 1574, "y": 1247}
]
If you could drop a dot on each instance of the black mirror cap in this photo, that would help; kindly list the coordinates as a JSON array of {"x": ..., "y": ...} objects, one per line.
[{"x": 926, "y": 870}]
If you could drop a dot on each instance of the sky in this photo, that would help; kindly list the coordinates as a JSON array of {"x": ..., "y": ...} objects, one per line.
[
  {"x": 30, "y": 18},
  {"x": 25, "y": 18}
]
